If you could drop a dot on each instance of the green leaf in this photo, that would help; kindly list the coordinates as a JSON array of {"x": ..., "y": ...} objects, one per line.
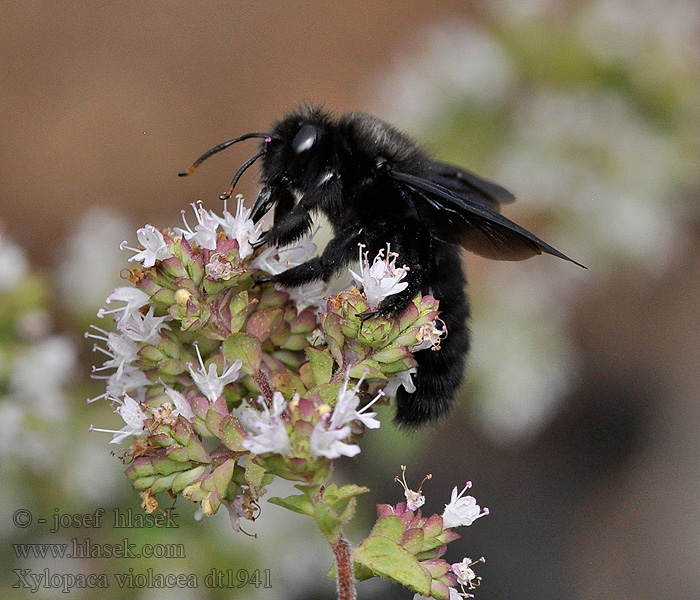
[
  {"x": 327, "y": 521},
  {"x": 163, "y": 483},
  {"x": 143, "y": 483},
  {"x": 244, "y": 347},
  {"x": 327, "y": 391},
  {"x": 232, "y": 434},
  {"x": 186, "y": 478},
  {"x": 264, "y": 322},
  {"x": 222, "y": 475},
  {"x": 254, "y": 475},
  {"x": 299, "y": 504},
  {"x": 347, "y": 491},
  {"x": 413, "y": 541},
  {"x": 374, "y": 370},
  {"x": 321, "y": 364},
  {"x": 390, "y": 354},
  {"x": 288, "y": 384},
  {"x": 347, "y": 513},
  {"x": 386, "y": 558},
  {"x": 390, "y": 527}
]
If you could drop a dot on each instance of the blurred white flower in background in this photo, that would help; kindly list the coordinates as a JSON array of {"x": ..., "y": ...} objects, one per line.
[
  {"x": 661, "y": 33},
  {"x": 455, "y": 63},
  {"x": 13, "y": 262},
  {"x": 591, "y": 159},
  {"x": 90, "y": 267},
  {"x": 35, "y": 367},
  {"x": 589, "y": 114},
  {"x": 40, "y": 372}
]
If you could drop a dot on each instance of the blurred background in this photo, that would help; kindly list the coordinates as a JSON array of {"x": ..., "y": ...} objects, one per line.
[{"x": 579, "y": 421}]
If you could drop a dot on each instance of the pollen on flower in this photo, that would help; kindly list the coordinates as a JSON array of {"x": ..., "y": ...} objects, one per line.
[{"x": 163, "y": 414}]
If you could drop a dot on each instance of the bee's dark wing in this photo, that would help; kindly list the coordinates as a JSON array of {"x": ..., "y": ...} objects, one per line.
[
  {"x": 473, "y": 225},
  {"x": 468, "y": 185}
]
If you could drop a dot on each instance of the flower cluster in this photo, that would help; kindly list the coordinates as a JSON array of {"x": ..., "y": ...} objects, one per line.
[
  {"x": 224, "y": 382},
  {"x": 407, "y": 547},
  {"x": 35, "y": 365}
]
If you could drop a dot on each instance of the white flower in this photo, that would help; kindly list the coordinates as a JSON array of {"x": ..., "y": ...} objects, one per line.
[
  {"x": 266, "y": 431},
  {"x": 210, "y": 383},
  {"x": 345, "y": 409},
  {"x": 134, "y": 298},
  {"x": 237, "y": 510},
  {"x": 332, "y": 428},
  {"x": 382, "y": 279},
  {"x": 276, "y": 260},
  {"x": 143, "y": 328},
  {"x": 313, "y": 294},
  {"x": 455, "y": 595},
  {"x": 129, "y": 380},
  {"x": 121, "y": 350},
  {"x": 327, "y": 441},
  {"x": 463, "y": 571},
  {"x": 204, "y": 234},
  {"x": 154, "y": 246},
  {"x": 182, "y": 406},
  {"x": 240, "y": 228},
  {"x": 429, "y": 336},
  {"x": 462, "y": 510},
  {"x": 133, "y": 416},
  {"x": 400, "y": 379},
  {"x": 465, "y": 574}
]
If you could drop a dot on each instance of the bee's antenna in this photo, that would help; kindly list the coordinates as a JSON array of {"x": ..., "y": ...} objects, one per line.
[
  {"x": 227, "y": 194},
  {"x": 221, "y": 147}
]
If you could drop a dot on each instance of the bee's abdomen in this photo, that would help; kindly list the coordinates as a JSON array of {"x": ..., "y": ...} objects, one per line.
[{"x": 440, "y": 372}]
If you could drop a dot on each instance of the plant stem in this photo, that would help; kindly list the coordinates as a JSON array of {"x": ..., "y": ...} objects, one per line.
[{"x": 343, "y": 560}]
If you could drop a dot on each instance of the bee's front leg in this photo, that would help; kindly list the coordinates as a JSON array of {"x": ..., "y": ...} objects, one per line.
[
  {"x": 395, "y": 304},
  {"x": 337, "y": 254}
]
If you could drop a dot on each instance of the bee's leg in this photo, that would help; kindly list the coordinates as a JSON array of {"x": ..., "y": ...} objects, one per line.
[
  {"x": 338, "y": 253},
  {"x": 293, "y": 219},
  {"x": 289, "y": 227},
  {"x": 395, "y": 304}
]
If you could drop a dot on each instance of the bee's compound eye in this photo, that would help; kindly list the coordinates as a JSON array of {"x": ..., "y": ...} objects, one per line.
[{"x": 305, "y": 139}]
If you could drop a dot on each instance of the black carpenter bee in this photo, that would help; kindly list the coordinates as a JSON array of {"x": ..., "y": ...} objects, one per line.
[{"x": 375, "y": 185}]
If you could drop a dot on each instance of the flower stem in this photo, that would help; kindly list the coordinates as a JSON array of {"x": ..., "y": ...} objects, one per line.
[
  {"x": 343, "y": 560},
  {"x": 264, "y": 384}
]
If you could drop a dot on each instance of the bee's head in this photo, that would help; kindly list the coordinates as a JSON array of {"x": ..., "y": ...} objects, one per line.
[
  {"x": 296, "y": 158},
  {"x": 301, "y": 146}
]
